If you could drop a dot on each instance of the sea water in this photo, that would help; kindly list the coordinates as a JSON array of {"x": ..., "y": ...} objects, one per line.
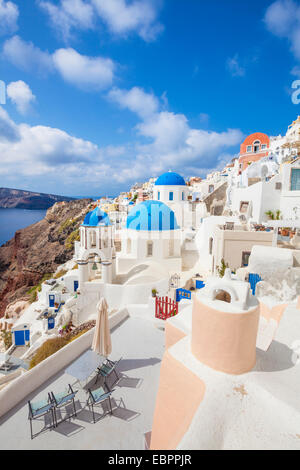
[{"x": 12, "y": 220}]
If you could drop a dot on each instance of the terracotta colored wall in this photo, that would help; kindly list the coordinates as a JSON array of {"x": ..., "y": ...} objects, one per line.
[
  {"x": 224, "y": 341},
  {"x": 172, "y": 335},
  {"x": 263, "y": 138},
  {"x": 251, "y": 157},
  {"x": 179, "y": 396}
]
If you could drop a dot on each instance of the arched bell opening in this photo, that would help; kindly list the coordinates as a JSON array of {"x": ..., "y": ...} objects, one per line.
[{"x": 223, "y": 296}]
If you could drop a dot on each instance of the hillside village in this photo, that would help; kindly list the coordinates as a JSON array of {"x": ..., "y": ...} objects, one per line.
[{"x": 224, "y": 253}]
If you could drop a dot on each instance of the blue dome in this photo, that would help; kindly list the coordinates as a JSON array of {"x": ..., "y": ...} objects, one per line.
[
  {"x": 151, "y": 216},
  {"x": 170, "y": 179},
  {"x": 95, "y": 218}
]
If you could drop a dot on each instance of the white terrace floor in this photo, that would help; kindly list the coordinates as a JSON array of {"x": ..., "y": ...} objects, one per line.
[{"x": 141, "y": 345}]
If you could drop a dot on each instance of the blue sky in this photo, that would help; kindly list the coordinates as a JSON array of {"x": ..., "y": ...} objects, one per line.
[{"x": 104, "y": 93}]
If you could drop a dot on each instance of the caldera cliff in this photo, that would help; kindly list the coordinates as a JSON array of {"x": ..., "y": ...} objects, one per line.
[{"x": 39, "y": 249}]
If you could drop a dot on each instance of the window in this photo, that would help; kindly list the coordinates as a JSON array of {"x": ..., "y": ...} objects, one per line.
[
  {"x": 211, "y": 245},
  {"x": 249, "y": 148},
  {"x": 211, "y": 188},
  {"x": 158, "y": 195},
  {"x": 295, "y": 179},
  {"x": 245, "y": 258},
  {"x": 263, "y": 147},
  {"x": 182, "y": 196},
  {"x": 256, "y": 146},
  {"x": 278, "y": 186},
  {"x": 149, "y": 248},
  {"x": 171, "y": 196}
]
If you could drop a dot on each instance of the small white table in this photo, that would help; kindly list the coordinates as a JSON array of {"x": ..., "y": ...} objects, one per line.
[{"x": 83, "y": 367}]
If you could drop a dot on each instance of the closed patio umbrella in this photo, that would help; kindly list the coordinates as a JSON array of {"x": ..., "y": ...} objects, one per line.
[{"x": 102, "y": 340}]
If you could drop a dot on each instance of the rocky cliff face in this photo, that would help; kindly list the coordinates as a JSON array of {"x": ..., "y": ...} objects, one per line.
[
  {"x": 16, "y": 198},
  {"x": 39, "y": 249}
]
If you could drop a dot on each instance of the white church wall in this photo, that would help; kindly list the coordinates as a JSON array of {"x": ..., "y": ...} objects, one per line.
[{"x": 162, "y": 193}]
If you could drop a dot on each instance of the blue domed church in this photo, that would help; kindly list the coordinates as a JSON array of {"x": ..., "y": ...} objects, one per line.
[
  {"x": 151, "y": 233},
  {"x": 95, "y": 253},
  {"x": 170, "y": 188}
]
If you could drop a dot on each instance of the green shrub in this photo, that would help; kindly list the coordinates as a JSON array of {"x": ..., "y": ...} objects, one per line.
[
  {"x": 72, "y": 238},
  {"x": 65, "y": 226},
  {"x": 60, "y": 273},
  {"x": 53, "y": 345},
  {"x": 33, "y": 296},
  {"x": 50, "y": 347},
  {"x": 221, "y": 270},
  {"x": 32, "y": 292},
  {"x": 6, "y": 338}
]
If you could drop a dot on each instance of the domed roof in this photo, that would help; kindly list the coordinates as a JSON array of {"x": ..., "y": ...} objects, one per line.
[
  {"x": 151, "y": 216},
  {"x": 170, "y": 179},
  {"x": 262, "y": 138},
  {"x": 96, "y": 218}
]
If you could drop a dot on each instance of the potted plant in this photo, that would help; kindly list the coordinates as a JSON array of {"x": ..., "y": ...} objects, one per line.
[
  {"x": 285, "y": 232},
  {"x": 270, "y": 214},
  {"x": 154, "y": 292}
]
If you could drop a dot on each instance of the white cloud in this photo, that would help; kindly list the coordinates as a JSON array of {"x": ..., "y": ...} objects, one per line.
[
  {"x": 282, "y": 19},
  {"x": 75, "y": 68},
  {"x": 234, "y": 67},
  {"x": 69, "y": 15},
  {"x": 84, "y": 71},
  {"x": 21, "y": 95},
  {"x": 9, "y": 131},
  {"x": 41, "y": 151},
  {"x": 170, "y": 131},
  {"x": 26, "y": 56},
  {"x": 9, "y": 14},
  {"x": 281, "y": 16},
  {"x": 124, "y": 16},
  {"x": 136, "y": 100},
  {"x": 170, "y": 141},
  {"x": 37, "y": 152}
]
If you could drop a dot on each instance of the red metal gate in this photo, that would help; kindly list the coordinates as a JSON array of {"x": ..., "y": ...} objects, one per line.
[{"x": 165, "y": 308}]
